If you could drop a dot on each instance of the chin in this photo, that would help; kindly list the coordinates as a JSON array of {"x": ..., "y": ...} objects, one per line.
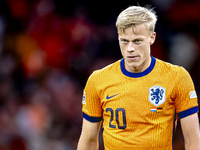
[{"x": 134, "y": 65}]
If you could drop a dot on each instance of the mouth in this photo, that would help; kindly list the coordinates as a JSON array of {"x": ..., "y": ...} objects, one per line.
[{"x": 132, "y": 57}]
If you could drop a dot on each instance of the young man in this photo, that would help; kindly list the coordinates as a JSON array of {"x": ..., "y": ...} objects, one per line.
[{"x": 138, "y": 97}]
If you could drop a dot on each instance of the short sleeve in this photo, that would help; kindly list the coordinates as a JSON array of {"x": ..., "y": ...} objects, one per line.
[
  {"x": 185, "y": 100},
  {"x": 91, "y": 104}
]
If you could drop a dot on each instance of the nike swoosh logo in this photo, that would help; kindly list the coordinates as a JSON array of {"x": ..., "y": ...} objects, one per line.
[{"x": 109, "y": 97}]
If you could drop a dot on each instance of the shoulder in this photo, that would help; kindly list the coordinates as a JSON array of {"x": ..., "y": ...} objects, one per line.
[
  {"x": 168, "y": 67},
  {"x": 102, "y": 76},
  {"x": 106, "y": 71}
]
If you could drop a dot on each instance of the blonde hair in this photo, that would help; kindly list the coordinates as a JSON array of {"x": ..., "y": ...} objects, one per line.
[{"x": 135, "y": 15}]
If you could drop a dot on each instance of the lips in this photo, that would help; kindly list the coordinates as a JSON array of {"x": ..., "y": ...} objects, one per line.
[{"x": 132, "y": 57}]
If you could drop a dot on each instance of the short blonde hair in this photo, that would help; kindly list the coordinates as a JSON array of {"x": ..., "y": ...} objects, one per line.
[{"x": 135, "y": 15}]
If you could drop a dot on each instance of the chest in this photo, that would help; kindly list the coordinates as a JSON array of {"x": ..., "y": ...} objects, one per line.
[
  {"x": 139, "y": 100},
  {"x": 154, "y": 92}
]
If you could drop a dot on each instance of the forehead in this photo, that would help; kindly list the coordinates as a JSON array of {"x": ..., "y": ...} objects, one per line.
[{"x": 134, "y": 31}]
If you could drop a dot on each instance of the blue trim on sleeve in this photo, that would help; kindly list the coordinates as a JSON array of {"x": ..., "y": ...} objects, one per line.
[
  {"x": 141, "y": 74},
  {"x": 188, "y": 112},
  {"x": 92, "y": 119}
]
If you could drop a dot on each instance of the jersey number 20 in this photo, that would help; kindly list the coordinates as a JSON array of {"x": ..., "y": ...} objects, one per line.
[{"x": 116, "y": 113}]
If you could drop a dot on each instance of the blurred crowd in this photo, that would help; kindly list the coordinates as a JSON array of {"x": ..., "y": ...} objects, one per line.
[{"x": 48, "y": 49}]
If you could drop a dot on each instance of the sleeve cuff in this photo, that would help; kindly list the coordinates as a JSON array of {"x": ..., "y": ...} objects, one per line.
[
  {"x": 188, "y": 112},
  {"x": 92, "y": 119}
]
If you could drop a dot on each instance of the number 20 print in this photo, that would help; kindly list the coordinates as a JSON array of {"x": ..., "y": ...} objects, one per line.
[{"x": 116, "y": 113}]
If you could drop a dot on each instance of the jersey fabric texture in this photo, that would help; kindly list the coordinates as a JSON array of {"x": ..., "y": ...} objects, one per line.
[{"x": 139, "y": 110}]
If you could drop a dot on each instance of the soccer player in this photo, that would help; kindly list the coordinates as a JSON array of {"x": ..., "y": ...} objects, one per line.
[{"x": 137, "y": 98}]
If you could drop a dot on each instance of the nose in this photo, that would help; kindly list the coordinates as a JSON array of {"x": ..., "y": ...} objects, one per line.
[{"x": 130, "y": 47}]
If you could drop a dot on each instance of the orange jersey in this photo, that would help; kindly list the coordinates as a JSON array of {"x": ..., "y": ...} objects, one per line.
[{"x": 139, "y": 110}]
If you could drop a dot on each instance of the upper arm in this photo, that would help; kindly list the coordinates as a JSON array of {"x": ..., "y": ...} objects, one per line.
[
  {"x": 90, "y": 130},
  {"x": 190, "y": 129},
  {"x": 91, "y": 104},
  {"x": 89, "y": 135},
  {"x": 92, "y": 115},
  {"x": 185, "y": 97}
]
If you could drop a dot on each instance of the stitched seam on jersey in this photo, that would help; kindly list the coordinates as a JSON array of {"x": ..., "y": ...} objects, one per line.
[
  {"x": 95, "y": 73},
  {"x": 178, "y": 80},
  {"x": 176, "y": 83}
]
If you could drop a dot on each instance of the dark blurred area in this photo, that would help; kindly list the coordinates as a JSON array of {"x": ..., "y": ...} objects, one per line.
[{"x": 48, "y": 49}]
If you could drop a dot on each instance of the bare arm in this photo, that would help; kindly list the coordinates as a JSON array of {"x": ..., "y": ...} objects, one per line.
[
  {"x": 89, "y": 136},
  {"x": 190, "y": 129}
]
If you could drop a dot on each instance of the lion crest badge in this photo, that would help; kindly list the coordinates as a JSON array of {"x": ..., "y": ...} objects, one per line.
[{"x": 157, "y": 95}]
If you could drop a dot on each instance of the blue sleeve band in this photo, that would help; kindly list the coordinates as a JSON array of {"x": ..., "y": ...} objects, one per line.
[
  {"x": 188, "y": 112},
  {"x": 92, "y": 119}
]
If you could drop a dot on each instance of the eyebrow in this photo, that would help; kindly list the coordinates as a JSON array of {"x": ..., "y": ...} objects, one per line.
[{"x": 139, "y": 38}]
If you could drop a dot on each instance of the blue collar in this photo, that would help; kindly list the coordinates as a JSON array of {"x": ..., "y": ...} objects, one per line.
[{"x": 137, "y": 75}]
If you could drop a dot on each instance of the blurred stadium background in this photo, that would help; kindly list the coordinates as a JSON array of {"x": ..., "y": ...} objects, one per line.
[{"x": 48, "y": 48}]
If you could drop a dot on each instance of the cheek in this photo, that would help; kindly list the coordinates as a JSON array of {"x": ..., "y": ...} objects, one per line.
[
  {"x": 122, "y": 52},
  {"x": 145, "y": 49},
  {"x": 122, "y": 48}
]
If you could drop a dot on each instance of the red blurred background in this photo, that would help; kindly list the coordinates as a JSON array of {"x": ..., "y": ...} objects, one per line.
[{"x": 48, "y": 49}]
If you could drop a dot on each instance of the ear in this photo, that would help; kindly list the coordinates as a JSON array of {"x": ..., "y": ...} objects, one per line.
[{"x": 153, "y": 38}]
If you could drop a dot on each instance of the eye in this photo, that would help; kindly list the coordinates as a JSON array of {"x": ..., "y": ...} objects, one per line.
[
  {"x": 124, "y": 41},
  {"x": 138, "y": 41}
]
